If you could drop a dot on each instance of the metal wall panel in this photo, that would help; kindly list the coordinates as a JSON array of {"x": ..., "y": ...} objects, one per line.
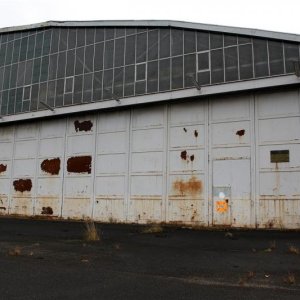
[
  {"x": 111, "y": 166},
  {"x": 202, "y": 162},
  {"x": 231, "y": 160},
  {"x": 278, "y": 123},
  {"x": 187, "y": 163}
]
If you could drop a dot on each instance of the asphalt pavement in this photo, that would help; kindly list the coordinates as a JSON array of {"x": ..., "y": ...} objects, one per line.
[{"x": 42, "y": 259}]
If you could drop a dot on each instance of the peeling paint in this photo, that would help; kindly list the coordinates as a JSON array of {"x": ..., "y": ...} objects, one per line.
[
  {"x": 3, "y": 168},
  {"x": 22, "y": 185},
  {"x": 47, "y": 210},
  {"x": 240, "y": 132},
  {"x": 79, "y": 164},
  {"x": 192, "y": 157},
  {"x": 51, "y": 166},
  {"x": 192, "y": 186},
  {"x": 83, "y": 126}
]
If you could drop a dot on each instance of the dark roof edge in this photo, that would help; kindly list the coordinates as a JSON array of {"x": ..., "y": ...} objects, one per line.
[{"x": 160, "y": 23}]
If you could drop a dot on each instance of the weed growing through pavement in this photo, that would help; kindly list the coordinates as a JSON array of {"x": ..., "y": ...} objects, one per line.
[
  {"x": 289, "y": 279},
  {"x": 91, "y": 234},
  {"x": 155, "y": 228},
  {"x": 16, "y": 251},
  {"x": 293, "y": 250}
]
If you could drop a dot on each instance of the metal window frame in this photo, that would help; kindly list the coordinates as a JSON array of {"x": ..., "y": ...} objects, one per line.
[
  {"x": 197, "y": 60},
  {"x": 24, "y": 87},
  {"x": 65, "y": 84},
  {"x": 135, "y": 73}
]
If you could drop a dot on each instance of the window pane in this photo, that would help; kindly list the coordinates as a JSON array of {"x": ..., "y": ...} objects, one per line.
[
  {"x": 107, "y": 84},
  {"x": 276, "y": 57},
  {"x": 164, "y": 75},
  {"x": 291, "y": 52},
  {"x": 118, "y": 81},
  {"x": 153, "y": 45},
  {"x": 216, "y": 40},
  {"x": 202, "y": 41},
  {"x": 79, "y": 60},
  {"x": 97, "y": 86},
  {"x": 164, "y": 39},
  {"x": 245, "y": 61},
  {"x": 109, "y": 55},
  {"x": 203, "y": 61},
  {"x": 70, "y": 62},
  {"x": 176, "y": 42},
  {"x": 61, "y": 65},
  {"x": 217, "y": 67},
  {"x": 152, "y": 77},
  {"x": 189, "y": 70},
  {"x": 231, "y": 64},
  {"x": 89, "y": 59},
  {"x": 260, "y": 58},
  {"x": 141, "y": 47},
  {"x": 177, "y": 72},
  {"x": 130, "y": 50},
  {"x": 204, "y": 78},
  {"x": 98, "y": 61},
  {"x": 119, "y": 52},
  {"x": 230, "y": 40},
  {"x": 87, "y": 88},
  {"x": 63, "y": 39},
  {"x": 140, "y": 72},
  {"x": 189, "y": 41},
  {"x": 78, "y": 88},
  {"x": 129, "y": 81}
]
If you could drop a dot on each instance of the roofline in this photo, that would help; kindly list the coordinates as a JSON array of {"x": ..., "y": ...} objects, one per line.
[{"x": 159, "y": 23}]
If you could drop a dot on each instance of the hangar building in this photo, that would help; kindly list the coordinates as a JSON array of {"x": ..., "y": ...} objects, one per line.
[{"x": 149, "y": 122}]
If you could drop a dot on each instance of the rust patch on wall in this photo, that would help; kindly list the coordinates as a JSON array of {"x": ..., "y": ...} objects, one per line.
[
  {"x": 183, "y": 155},
  {"x": 195, "y": 133},
  {"x": 3, "y": 168},
  {"x": 22, "y": 185},
  {"x": 192, "y": 157},
  {"x": 47, "y": 210},
  {"x": 83, "y": 126},
  {"x": 192, "y": 186},
  {"x": 240, "y": 132},
  {"x": 51, "y": 166},
  {"x": 79, "y": 164},
  {"x": 2, "y": 207}
]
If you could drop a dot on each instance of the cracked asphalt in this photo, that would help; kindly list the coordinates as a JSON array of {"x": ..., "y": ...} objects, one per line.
[{"x": 42, "y": 259}]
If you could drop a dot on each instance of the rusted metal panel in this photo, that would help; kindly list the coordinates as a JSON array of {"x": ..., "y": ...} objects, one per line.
[
  {"x": 278, "y": 182},
  {"x": 196, "y": 162},
  {"x": 111, "y": 171}
]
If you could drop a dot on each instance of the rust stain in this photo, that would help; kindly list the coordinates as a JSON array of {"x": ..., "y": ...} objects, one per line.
[
  {"x": 3, "y": 208},
  {"x": 184, "y": 129},
  {"x": 192, "y": 157},
  {"x": 192, "y": 186},
  {"x": 195, "y": 133},
  {"x": 240, "y": 132},
  {"x": 51, "y": 166},
  {"x": 3, "y": 168},
  {"x": 79, "y": 164},
  {"x": 47, "y": 210},
  {"x": 22, "y": 185},
  {"x": 83, "y": 126},
  {"x": 183, "y": 155}
]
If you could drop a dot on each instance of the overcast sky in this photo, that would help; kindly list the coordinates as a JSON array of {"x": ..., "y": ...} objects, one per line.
[{"x": 271, "y": 15}]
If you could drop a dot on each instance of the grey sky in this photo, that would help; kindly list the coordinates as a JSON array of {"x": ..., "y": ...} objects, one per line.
[{"x": 261, "y": 14}]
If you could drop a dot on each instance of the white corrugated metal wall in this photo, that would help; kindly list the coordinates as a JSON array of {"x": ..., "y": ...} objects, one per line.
[{"x": 200, "y": 162}]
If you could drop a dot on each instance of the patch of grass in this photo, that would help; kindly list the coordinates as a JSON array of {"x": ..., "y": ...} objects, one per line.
[
  {"x": 244, "y": 279},
  {"x": 16, "y": 251},
  {"x": 289, "y": 279},
  {"x": 155, "y": 228},
  {"x": 91, "y": 234},
  {"x": 272, "y": 246},
  {"x": 293, "y": 250}
]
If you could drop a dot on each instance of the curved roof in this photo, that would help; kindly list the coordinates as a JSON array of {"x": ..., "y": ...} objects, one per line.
[{"x": 159, "y": 23}]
